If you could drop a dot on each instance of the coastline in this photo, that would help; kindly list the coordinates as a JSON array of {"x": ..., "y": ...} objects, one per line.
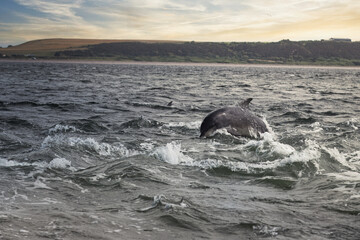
[{"x": 260, "y": 65}]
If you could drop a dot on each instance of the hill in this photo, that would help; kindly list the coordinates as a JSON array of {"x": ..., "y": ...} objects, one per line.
[
  {"x": 283, "y": 52},
  {"x": 48, "y": 47}
]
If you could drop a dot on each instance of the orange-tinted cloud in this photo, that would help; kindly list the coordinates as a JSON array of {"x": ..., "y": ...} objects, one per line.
[{"x": 199, "y": 20}]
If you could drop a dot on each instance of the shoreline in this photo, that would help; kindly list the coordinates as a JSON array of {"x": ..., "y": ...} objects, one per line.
[{"x": 157, "y": 63}]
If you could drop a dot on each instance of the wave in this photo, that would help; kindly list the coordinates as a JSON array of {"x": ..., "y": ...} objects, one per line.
[
  {"x": 264, "y": 155},
  {"x": 10, "y": 142},
  {"x": 140, "y": 123},
  {"x": 285, "y": 156},
  {"x": 150, "y": 105},
  {"x": 171, "y": 153},
  {"x": 188, "y": 125},
  {"x": 56, "y": 163},
  {"x": 123, "y": 173},
  {"x": 60, "y": 163},
  {"x": 12, "y": 163},
  {"x": 59, "y": 128},
  {"x": 163, "y": 202},
  {"x": 347, "y": 176},
  {"x": 88, "y": 145},
  {"x": 59, "y": 106},
  {"x": 79, "y": 125},
  {"x": 18, "y": 122}
]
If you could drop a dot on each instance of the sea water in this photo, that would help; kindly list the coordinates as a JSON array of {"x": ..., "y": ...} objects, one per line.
[{"x": 94, "y": 151}]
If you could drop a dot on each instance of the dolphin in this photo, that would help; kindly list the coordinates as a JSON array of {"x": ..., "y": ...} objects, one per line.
[{"x": 238, "y": 121}]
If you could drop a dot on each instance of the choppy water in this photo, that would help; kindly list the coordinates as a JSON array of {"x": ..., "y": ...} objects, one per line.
[{"x": 92, "y": 151}]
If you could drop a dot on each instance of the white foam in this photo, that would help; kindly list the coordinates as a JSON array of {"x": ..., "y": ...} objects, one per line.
[
  {"x": 316, "y": 128},
  {"x": 269, "y": 128},
  {"x": 56, "y": 163},
  {"x": 63, "y": 128},
  {"x": 161, "y": 199},
  {"x": 270, "y": 145},
  {"x": 304, "y": 156},
  {"x": 350, "y": 176},
  {"x": 267, "y": 230},
  {"x": 98, "y": 176},
  {"x": 60, "y": 163},
  {"x": 171, "y": 153},
  {"x": 352, "y": 123},
  {"x": 103, "y": 149},
  {"x": 11, "y": 163},
  {"x": 39, "y": 184},
  {"x": 221, "y": 131},
  {"x": 147, "y": 146}
]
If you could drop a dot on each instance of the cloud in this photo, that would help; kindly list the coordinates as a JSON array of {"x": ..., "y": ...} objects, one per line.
[
  {"x": 55, "y": 19},
  {"x": 200, "y": 20},
  {"x": 316, "y": 22},
  {"x": 52, "y": 7}
]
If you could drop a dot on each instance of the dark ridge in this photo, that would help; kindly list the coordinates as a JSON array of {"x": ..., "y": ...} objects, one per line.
[
  {"x": 86, "y": 125},
  {"x": 140, "y": 123},
  {"x": 177, "y": 222},
  {"x": 285, "y": 51}
]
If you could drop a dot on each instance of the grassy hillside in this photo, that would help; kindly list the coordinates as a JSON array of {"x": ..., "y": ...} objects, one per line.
[
  {"x": 48, "y": 47},
  {"x": 283, "y": 52}
]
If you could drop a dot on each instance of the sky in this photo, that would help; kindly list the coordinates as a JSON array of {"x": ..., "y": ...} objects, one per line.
[{"x": 188, "y": 20}]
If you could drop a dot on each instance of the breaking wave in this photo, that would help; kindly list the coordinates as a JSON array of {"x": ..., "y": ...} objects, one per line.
[
  {"x": 266, "y": 156},
  {"x": 89, "y": 145}
]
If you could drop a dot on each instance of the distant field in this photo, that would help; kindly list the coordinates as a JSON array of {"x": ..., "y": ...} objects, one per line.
[{"x": 46, "y": 47}]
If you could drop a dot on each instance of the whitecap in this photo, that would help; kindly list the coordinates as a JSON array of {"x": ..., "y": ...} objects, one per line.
[
  {"x": 12, "y": 163},
  {"x": 269, "y": 145},
  {"x": 316, "y": 128},
  {"x": 56, "y": 163},
  {"x": 103, "y": 149},
  {"x": 98, "y": 176},
  {"x": 63, "y": 128},
  {"x": 9, "y": 163},
  {"x": 40, "y": 184},
  {"x": 60, "y": 163},
  {"x": 147, "y": 146},
  {"x": 171, "y": 153},
  {"x": 267, "y": 230}
]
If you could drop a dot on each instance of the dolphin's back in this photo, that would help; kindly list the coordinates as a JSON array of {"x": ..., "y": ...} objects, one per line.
[
  {"x": 239, "y": 121},
  {"x": 213, "y": 121}
]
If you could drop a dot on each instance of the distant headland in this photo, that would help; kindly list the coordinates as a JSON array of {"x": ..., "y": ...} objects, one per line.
[{"x": 332, "y": 52}]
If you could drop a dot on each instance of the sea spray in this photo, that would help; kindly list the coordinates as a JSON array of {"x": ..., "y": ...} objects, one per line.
[{"x": 171, "y": 153}]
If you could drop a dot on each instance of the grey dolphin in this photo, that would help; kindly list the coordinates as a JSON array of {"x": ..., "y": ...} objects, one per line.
[{"x": 238, "y": 121}]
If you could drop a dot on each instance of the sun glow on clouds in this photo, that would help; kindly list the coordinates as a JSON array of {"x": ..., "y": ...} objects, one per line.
[{"x": 199, "y": 20}]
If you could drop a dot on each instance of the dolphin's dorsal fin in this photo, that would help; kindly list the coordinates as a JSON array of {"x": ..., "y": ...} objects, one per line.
[{"x": 245, "y": 104}]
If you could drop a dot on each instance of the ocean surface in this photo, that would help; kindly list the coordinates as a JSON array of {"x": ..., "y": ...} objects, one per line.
[{"x": 95, "y": 151}]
